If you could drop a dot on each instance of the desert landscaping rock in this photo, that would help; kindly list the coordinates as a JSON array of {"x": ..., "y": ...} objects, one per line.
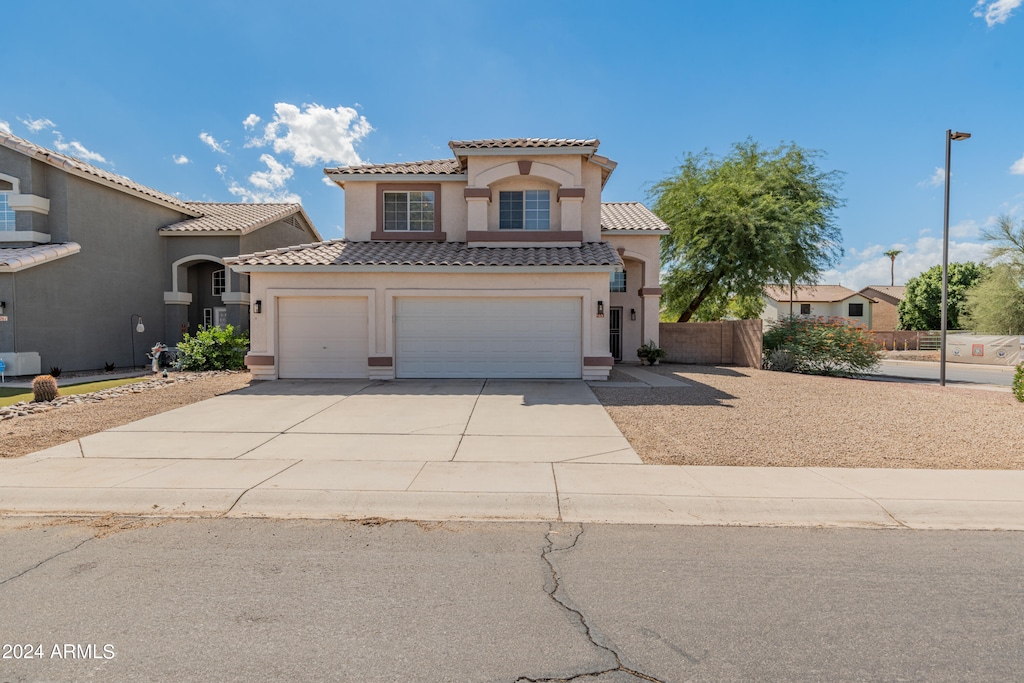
[
  {"x": 29, "y": 427},
  {"x": 749, "y": 417}
]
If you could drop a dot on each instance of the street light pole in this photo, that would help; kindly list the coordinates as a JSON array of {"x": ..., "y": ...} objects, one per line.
[{"x": 950, "y": 136}]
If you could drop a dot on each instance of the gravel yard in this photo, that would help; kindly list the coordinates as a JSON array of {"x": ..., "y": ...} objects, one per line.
[
  {"x": 743, "y": 416},
  {"x": 23, "y": 435}
]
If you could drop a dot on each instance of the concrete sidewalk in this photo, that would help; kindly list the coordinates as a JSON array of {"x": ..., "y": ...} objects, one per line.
[{"x": 461, "y": 450}]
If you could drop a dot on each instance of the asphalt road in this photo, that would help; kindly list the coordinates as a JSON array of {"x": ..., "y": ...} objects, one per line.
[
  {"x": 955, "y": 372},
  {"x": 244, "y": 600}
]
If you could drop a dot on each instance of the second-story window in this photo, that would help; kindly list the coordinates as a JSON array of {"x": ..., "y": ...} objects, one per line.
[
  {"x": 218, "y": 282},
  {"x": 617, "y": 282},
  {"x": 6, "y": 212},
  {"x": 524, "y": 210},
  {"x": 409, "y": 211}
]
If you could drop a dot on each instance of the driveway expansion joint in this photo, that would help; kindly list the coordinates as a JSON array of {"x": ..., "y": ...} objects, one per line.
[{"x": 556, "y": 586}]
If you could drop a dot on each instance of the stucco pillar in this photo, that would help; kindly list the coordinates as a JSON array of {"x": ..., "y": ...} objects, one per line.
[
  {"x": 477, "y": 211},
  {"x": 651, "y": 317},
  {"x": 237, "y": 305},
  {"x": 175, "y": 321},
  {"x": 572, "y": 212}
]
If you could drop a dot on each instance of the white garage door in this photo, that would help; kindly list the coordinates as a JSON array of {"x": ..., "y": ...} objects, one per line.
[
  {"x": 322, "y": 337},
  {"x": 474, "y": 337}
]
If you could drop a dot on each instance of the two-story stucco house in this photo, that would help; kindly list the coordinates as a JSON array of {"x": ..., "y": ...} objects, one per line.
[
  {"x": 829, "y": 301},
  {"x": 499, "y": 262},
  {"x": 86, "y": 253}
]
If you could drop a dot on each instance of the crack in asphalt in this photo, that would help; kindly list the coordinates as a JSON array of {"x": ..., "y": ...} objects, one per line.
[
  {"x": 42, "y": 562},
  {"x": 556, "y": 585}
]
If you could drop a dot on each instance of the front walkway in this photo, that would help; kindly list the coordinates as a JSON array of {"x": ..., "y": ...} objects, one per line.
[{"x": 461, "y": 449}]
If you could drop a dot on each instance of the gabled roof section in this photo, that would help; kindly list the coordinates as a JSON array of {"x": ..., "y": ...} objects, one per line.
[
  {"x": 890, "y": 294},
  {"x": 94, "y": 173},
  {"x": 809, "y": 293},
  {"x": 630, "y": 217},
  {"x": 432, "y": 167},
  {"x": 222, "y": 218},
  {"x": 522, "y": 143},
  {"x": 20, "y": 258},
  {"x": 344, "y": 253}
]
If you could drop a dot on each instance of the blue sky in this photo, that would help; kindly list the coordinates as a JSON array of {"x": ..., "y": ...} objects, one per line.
[{"x": 248, "y": 101}]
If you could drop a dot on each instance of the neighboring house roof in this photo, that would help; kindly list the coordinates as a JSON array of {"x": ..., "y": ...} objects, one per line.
[
  {"x": 630, "y": 217},
  {"x": 94, "y": 173},
  {"x": 431, "y": 254},
  {"x": 892, "y": 295},
  {"x": 522, "y": 143},
  {"x": 809, "y": 293},
  {"x": 433, "y": 167},
  {"x": 236, "y": 219},
  {"x": 19, "y": 258}
]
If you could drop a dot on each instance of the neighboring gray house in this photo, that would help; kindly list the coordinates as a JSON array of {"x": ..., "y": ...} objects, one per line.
[{"x": 84, "y": 252}]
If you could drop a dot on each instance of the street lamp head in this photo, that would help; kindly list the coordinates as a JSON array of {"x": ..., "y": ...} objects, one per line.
[
  {"x": 140, "y": 327},
  {"x": 958, "y": 135}
]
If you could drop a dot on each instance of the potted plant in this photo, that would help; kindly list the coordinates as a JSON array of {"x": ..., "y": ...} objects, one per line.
[{"x": 650, "y": 352}]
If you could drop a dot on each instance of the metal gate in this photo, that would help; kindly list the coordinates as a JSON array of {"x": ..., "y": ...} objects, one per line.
[{"x": 615, "y": 332}]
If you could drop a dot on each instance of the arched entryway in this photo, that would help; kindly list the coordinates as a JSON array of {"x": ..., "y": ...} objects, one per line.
[{"x": 204, "y": 293}]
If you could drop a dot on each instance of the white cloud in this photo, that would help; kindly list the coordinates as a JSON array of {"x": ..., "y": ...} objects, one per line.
[
  {"x": 275, "y": 177},
  {"x": 36, "y": 125},
  {"x": 968, "y": 228},
  {"x": 995, "y": 11},
  {"x": 212, "y": 142},
  {"x": 249, "y": 195},
  {"x": 77, "y": 149},
  {"x": 221, "y": 169},
  {"x": 181, "y": 159},
  {"x": 265, "y": 186},
  {"x": 1018, "y": 167},
  {"x": 937, "y": 179},
  {"x": 5, "y": 127},
  {"x": 924, "y": 253},
  {"x": 328, "y": 182},
  {"x": 251, "y": 120},
  {"x": 314, "y": 133}
]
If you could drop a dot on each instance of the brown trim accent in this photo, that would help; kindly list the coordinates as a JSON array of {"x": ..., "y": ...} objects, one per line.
[
  {"x": 598, "y": 361},
  {"x": 524, "y": 236},
  {"x": 408, "y": 187},
  {"x": 621, "y": 250},
  {"x": 525, "y": 166},
  {"x": 259, "y": 360},
  {"x": 477, "y": 192},
  {"x": 572, "y": 192},
  {"x": 650, "y": 291},
  {"x": 396, "y": 236},
  {"x": 379, "y": 361}
]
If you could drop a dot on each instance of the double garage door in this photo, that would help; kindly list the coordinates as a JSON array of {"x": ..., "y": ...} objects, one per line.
[{"x": 435, "y": 337}]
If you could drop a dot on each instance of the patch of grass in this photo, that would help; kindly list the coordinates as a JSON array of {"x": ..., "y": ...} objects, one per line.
[{"x": 10, "y": 396}]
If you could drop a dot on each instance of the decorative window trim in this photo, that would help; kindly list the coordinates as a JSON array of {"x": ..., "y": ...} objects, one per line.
[
  {"x": 207, "y": 317},
  {"x": 8, "y": 220},
  {"x": 617, "y": 282},
  {"x": 524, "y": 201},
  {"x": 219, "y": 285},
  {"x": 408, "y": 235},
  {"x": 416, "y": 218}
]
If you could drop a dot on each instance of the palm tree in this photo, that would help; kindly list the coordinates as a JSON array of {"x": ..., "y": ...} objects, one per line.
[{"x": 892, "y": 254}]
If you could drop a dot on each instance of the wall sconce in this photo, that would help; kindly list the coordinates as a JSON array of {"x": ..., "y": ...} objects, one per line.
[
  {"x": 632, "y": 314},
  {"x": 3, "y": 307},
  {"x": 600, "y": 309},
  {"x": 258, "y": 306}
]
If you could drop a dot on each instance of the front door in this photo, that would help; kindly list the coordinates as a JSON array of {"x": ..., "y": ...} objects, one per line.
[{"x": 615, "y": 332}]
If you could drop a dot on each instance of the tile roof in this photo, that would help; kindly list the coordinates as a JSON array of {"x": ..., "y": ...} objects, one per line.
[
  {"x": 522, "y": 143},
  {"x": 432, "y": 167},
  {"x": 220, "y": 217},
  {"x": 82, "y": 169},
  {"x": 439, "y": 254},
  {"x": 19, "y": 258},
  {"x": 630, "y": 216},
  {"x": 897, "y": 292},
  {"x": 810, "y": 293}
]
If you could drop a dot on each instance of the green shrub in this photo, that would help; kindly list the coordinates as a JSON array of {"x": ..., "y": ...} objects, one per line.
[
  {"x": 821, "y": 346},
  {"x": 1018, "y": 383},
  {"x": 213, "y": 348}
]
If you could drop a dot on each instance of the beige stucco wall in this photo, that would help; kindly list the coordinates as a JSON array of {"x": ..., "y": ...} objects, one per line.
[
  {"x": 642, "y": 257},
  {"x": 383, "y": 288}
]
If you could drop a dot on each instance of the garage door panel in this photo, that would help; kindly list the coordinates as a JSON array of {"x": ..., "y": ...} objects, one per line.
[
  {"x": 322, "y": 337},
  {"x": 500, "y": 337}
]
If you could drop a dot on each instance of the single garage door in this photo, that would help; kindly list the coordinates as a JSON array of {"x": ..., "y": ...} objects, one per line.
[
  {"x": 322, "y": 337},
  {"x": 474, "y": 337}
]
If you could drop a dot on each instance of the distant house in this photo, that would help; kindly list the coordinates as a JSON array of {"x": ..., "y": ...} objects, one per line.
[
  {"x": 85, "y": 253},
  {"x": 817, "y": 300},
  {"x": 885, "y": 315}
]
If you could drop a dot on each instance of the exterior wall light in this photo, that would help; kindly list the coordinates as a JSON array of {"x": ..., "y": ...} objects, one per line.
[
  {"x": 600, "y": 309},
  {"x": 3, "y": 307},
  {"x": 140, "y": 328},
  {"x": 632, "y": 314},
  {"x": 258, "y": 306}
]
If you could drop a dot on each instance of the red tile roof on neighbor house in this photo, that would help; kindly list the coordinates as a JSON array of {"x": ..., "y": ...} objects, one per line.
[
  {"x": 94, "y": 173},
  {"x": 809, "y": 293},
  {"x": 630, "y": 217},
  {"x": 522, "y": 143},
  {"x": 236, "y": 219},
  {"x": 892, "y": 294},
  {"x": 437, "y": 254},
  {"x": 432, "y": 167}
]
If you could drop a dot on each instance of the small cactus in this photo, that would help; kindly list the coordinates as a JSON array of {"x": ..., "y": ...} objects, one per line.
[
  {"x": 55, "y": 371},
  {"x": 44, "y": 388}
]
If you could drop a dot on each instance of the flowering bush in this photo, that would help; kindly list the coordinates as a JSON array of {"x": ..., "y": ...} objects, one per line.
[
  {"x": 213, "y": 348},
  {"x": 1018, "y": 383},
  {"x": 820, "y": 346}
]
